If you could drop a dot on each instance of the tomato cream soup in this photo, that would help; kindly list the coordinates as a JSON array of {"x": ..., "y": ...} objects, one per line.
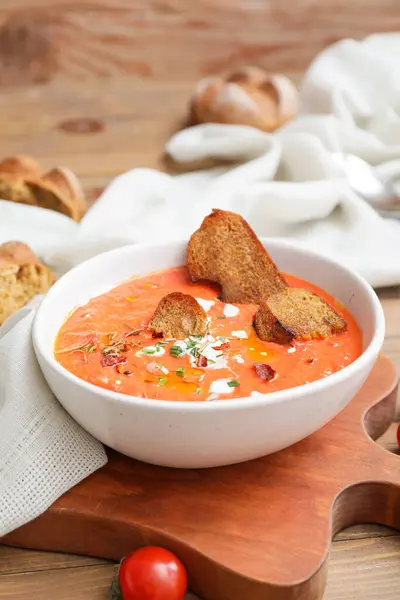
[{"x": 105, "y": 342}]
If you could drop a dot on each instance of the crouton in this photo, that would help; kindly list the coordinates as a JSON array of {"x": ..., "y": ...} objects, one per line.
[
  {"x": 296, "y": 313},
  {"x": 226, "y": 250},
  {"x": 22, "y": 276},
  {"x": 177, "y": 316}
]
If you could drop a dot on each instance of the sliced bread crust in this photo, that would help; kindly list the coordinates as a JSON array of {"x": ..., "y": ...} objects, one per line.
[
  {"x": 226, "y": 250},
  {"x": 296, "y": 313}
]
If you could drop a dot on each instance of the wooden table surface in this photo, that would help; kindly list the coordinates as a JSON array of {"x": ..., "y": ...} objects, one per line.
[{"x": 99, "y": 86}]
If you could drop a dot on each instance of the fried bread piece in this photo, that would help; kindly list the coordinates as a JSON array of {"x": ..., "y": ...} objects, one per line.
[
  {"x": 296, "y": 313},
  {"x": 178, "y": 316},
  {"x": 226, "y": 250}
]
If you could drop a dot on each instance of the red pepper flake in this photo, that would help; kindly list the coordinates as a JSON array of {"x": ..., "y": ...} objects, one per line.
[
  {"x": 157, "y": 334},
  {"x": 201, "y": 361},
  {"x": 111, "y": 360},
  {"x": 264, "y": 371},
  {"x": 224, "y": 347}
]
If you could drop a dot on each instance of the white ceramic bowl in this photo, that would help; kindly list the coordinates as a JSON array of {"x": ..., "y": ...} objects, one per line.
[{"x": 200, "y": 434}]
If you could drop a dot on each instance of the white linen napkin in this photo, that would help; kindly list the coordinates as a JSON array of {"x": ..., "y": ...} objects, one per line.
[{"x": 287, "y": 185}]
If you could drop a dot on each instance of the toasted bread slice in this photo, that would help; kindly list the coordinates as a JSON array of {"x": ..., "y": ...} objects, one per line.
[
  {"x": 226, "y": 250},
  {"x": 296, "y": 313},
  {"x": 179, "y": 315},
  {"x": 22, "y": 276}
]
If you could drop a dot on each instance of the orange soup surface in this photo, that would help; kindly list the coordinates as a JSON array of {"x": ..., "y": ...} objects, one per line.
[{"x": 105, "y": 342}]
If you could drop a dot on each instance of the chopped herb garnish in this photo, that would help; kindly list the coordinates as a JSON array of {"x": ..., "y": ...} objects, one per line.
[
  {"x": 211, "y": 362},
  {"x": 132, "y": 331},
  {"x": 162, "y": 381},
  {"x": 88, "y": 347},
  {"x": 222, "y": 317},
  {"x": 219, "y": 355},
  {"x": 180, "y": 372},
  {"x": 233, "y": 383},
  {"x": 113, "y": 348},
  {"x": 148, "y": 351},
  {"x": 159, "y": 345},
  {"x": 176, "y": 351},
  {"x": 170, "y": 340},
  {"x": 198, "y": 390}
]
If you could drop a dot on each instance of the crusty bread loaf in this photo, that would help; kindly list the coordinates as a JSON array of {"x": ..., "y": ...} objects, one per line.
[
  {"x": 246, "y": 96},
  {"x": 58, "y": 190},
  {"x": 22, "y": 165},
  {"x": 22, "y": 276},
  {"x": 226, "y": 250},
  {"x": 14, "y": 188},
  {"x": 296, "y": 313},
  {"x": 178, "y": 316}
]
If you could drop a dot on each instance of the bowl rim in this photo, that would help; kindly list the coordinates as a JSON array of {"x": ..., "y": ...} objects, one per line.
[{"x": 228, "y": 404}]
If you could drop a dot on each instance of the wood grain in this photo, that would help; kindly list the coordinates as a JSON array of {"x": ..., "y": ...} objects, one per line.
[{"x": 175, "y": 39}]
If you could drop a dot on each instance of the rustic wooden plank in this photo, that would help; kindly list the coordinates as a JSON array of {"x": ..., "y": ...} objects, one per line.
[
  {"x": 364, "y": 570},
  {"x": 360, "y": 569},
  {"x": 175, "y": 39},
  {"x": 15, "y": 560},
  {"x": 79, "y": 583}
]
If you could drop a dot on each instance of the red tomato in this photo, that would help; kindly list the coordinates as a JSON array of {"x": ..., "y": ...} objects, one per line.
[
  {"x": 152, "y": 573},
  {"x": 398, "y": 435}
]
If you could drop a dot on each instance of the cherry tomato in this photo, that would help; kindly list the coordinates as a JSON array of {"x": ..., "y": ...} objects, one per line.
[
  {"x": 152, "y": 573},
  {"x": 398, "y": 435}
]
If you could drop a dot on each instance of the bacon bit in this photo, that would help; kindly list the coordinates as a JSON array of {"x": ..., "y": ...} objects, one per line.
[
  {"x": 224, "y": 347},
  {"x": 111, "y": 360},
  {"x": 157, "y": 334},
  {"x": 264, "y": 371},
  {"x": 201, "y": 361}
]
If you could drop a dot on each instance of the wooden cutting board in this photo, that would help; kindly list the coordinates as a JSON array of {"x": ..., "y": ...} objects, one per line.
[{"x": 255, "y": 531}]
